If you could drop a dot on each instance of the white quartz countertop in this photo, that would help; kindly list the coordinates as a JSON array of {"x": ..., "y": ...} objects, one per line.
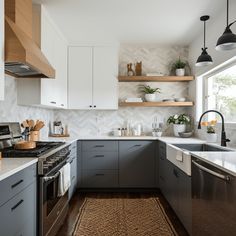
[
  {"x": 10, "y": 166},
  {"x": 106, "y": 137},
  {"x": 225, "y": 161}
]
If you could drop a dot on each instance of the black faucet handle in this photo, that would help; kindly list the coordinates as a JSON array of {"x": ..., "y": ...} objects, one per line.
[{"x": 227, "y": 140}]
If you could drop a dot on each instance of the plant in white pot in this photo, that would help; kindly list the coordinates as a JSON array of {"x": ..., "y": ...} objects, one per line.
[
  {"x": 211, "y": 136},
  {"x": 179, "y": 67},
  {"x": 150, "y": 93},
  {"x": 179, "y": 123}
]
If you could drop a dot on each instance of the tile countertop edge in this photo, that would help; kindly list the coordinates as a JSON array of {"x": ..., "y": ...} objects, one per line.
[{"x": 10, "y": 166}]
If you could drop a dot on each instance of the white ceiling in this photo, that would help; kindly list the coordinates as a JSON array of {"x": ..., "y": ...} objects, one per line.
[{"x": 156, "y": 21}]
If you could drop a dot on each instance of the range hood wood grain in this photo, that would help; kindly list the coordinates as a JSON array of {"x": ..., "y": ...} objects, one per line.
[{"x": 19, "y": 47}]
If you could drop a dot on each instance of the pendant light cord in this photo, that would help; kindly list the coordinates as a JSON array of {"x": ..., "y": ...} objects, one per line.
[
  {"x": 204, "y": 34},
  {"x": 227, "y": 20}
]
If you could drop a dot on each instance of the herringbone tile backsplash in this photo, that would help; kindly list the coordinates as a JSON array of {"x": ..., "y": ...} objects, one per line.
[{"x": 155, "y": 58}]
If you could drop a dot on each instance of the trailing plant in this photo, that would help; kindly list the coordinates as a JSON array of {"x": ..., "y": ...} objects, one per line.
[
  {"x": 179, "y": 119},
  {"x": 148, "y": 90}
]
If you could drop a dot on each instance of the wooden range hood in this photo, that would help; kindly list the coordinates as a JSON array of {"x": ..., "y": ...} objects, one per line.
[{"x": 23, "y": 57}]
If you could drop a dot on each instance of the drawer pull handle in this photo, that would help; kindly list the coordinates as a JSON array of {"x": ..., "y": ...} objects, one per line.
[
  {"x": 99, "y": 156},
  {"x": 99, "y": 146},
  {"x": 137, "y": 145},
  {"x": 17, "y": 204},
  {"x": 17, "y": 183},
  {"x": 71, "y": 162},
  {"x": 99, "y": 174}
]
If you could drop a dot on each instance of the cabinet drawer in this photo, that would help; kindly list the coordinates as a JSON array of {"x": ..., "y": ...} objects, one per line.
[
  {"x": 19, "y": 213},
  {"x": 99, "y": 179},
  {"x": 100, "y": 146},
  {"x": 100, "y": 160},
  {"x": 162, "y": 151},
  {"x": 16, "y": 183}
]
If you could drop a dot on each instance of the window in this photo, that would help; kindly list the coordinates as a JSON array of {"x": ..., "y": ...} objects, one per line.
[{"x": 220, "y": 93}]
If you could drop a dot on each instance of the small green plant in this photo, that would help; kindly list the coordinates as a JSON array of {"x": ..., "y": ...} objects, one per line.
[
  {"x": 179, "y": 64},
  {"x": 148, "y": 90},
  {"x": 179, "y": 119},
  {"x": 211, "y": 130}
]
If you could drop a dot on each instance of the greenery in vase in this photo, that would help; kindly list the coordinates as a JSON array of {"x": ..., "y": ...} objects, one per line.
[
  {"x": 179, "y": 119},
  {"x": 179, "y": 64},
  {"x": 148, "y": 90}
]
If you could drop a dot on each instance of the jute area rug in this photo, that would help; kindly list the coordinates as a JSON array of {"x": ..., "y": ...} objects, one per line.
[{"x": 123, "y": 217}]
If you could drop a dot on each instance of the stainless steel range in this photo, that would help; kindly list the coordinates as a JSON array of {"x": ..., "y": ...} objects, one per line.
[{"x": 52, "y": 156}]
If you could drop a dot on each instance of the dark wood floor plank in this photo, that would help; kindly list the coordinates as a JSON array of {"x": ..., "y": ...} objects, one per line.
[{"x": 78, "y": 199}]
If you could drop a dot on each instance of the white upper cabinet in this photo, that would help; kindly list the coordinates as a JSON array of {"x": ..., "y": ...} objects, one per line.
[
  {"x": 80, "y": 75},
  {"x": 2, "y": 78},
  {"x": 92, "y": 78},
  {"x": 47, "y": 92}
]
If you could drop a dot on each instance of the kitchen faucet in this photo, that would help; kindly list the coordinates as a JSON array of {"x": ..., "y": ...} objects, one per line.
[{"x": 224, "y": 140}]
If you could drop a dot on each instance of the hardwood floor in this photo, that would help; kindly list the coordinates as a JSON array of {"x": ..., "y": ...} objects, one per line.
[{"x": 78, "y": 198}]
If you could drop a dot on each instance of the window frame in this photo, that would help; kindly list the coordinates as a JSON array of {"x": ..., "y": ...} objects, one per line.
[{"x": 202, "y": 85}]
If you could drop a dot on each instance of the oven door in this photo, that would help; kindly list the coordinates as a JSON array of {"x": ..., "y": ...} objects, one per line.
[{"x": 52, "y": 208}]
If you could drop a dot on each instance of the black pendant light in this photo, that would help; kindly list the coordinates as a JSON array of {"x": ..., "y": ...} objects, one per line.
[
  {"x": 204, "y": 59},
  {"x": 228, "y": 40}
]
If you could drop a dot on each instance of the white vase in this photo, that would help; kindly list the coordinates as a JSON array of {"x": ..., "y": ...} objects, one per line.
[
  {"x": 211, "y": 138},
  {"x": 150, "y": 97},
  {"x": 178, "y": 128},
  {"x": 180, "y": 72}
]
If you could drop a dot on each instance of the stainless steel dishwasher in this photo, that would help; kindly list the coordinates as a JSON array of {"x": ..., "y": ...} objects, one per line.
[{"x": 213, "y": 200}]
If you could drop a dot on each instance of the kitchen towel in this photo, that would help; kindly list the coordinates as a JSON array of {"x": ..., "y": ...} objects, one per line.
[{"x": 64, "y": 179}]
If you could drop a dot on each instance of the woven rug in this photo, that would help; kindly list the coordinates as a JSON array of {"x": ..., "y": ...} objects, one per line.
[{"x": 123, "y": 217}]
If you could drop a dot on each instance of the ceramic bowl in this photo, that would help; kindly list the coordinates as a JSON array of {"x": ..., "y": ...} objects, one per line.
[{"x": 185, "y": 134}]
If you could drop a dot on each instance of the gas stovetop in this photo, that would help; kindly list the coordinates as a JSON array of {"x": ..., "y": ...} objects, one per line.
[{"x": 41, "y": 149}]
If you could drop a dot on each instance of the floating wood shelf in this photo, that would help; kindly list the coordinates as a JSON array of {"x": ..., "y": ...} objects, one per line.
[
  {"x": 155, "y": 78},
  {"x": 156, "y": 104}
]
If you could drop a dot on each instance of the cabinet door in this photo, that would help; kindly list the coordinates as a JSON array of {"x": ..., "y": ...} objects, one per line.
[
  {"x": 185, "y": 201},
  {"x": 105, "y": 84},
  {"x": 48, "y": 86},
  {"x": 2, "y": 77},
  {"x": 137, "y": 164},
  {"x": 80, "y": 77}
]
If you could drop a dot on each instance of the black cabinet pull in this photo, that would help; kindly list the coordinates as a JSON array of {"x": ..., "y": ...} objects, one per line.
[
  {"x": 17, "y": 204},
  {"x": 99, "y": 156},
  {"x": 94, "y": 106},
  {"x": 17, "y": 183},
  {"x": 99, "y": 146},
  {"x": 53, "y": 102},
  {"x": 99, "y": 174},
  {"x": 90, "y": 106},
  {"x": 71, "y": 162},
  {"x": 137, "y": 145}
]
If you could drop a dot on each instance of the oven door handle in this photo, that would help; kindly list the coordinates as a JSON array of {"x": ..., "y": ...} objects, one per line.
[{"x": 48, "y": 178}]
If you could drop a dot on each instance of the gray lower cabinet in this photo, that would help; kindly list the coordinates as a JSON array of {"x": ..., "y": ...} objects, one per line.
[
  {"x": 73, "y": 163},
  {"x": 137, "y": 161},
  {"x": 99, "y": 161},
  {"x": 176, "y": 187},
  {"x": 18, "y": 213}
]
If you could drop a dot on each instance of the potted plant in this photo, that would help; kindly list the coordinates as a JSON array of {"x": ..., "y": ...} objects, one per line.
[
  {"x": 150, "y": 95},
  {"x": 211, "y": 136},
  {"x": 179, "y": 67},
  {"x": 179, "y": 123}
]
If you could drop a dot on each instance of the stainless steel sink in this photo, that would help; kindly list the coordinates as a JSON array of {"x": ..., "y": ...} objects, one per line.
[{"x": 204, "y": 147}]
